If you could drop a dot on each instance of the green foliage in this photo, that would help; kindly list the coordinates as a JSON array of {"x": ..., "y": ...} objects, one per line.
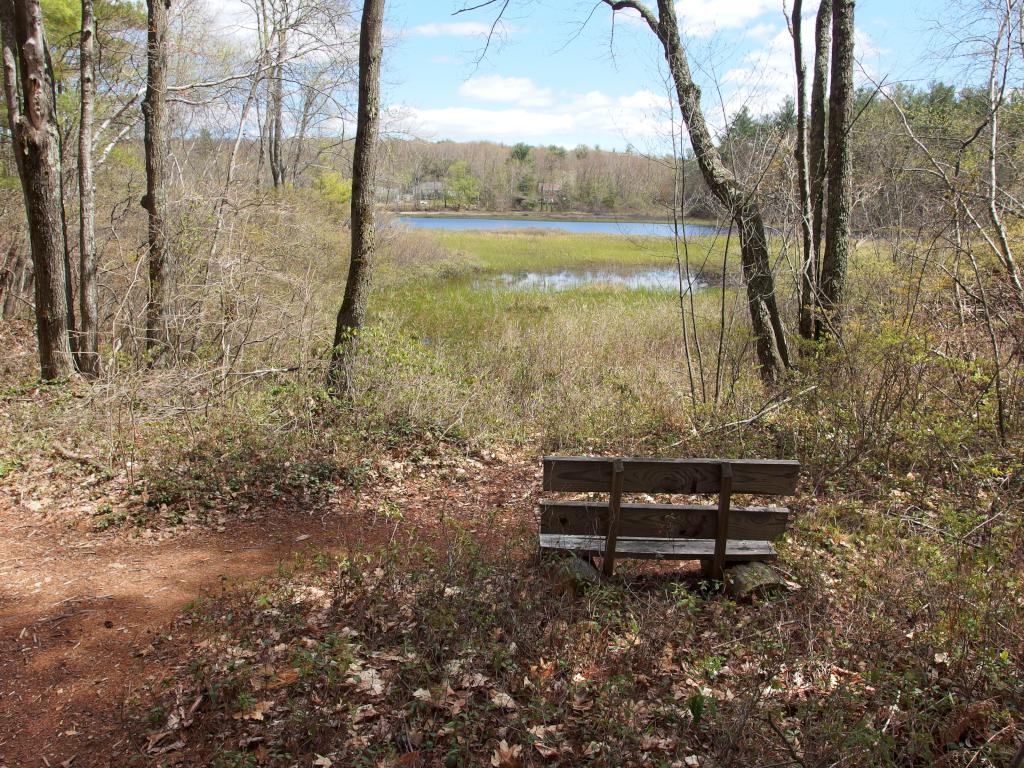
[
  {"x": 334, "y": 188},
  {"x": 463, "y": 188},
  {"x": 520, "y": 153},
  {"x": 62, "y": 20}
]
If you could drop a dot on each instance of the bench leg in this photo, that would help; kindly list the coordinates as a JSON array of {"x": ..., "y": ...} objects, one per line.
[
  {"x": 722, "y": 528},
  {"x": 614, "y": 506}
]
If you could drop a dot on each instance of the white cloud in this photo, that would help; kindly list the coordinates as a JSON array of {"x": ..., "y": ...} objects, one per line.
[
  {"x": 506, "y": 90},
  {"x": 765, "y": 77},
  {"x": 701, "y": 18},
  {"x": 590, "y": 118},
  {"x": 453, "y": 29}
]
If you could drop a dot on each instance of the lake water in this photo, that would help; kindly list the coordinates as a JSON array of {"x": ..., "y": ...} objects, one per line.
[
  {"x": 655, "y": 279},
  {"x": 623, "y": 228}
]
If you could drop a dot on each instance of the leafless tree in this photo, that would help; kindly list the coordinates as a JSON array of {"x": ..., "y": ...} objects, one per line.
[
  {"x": 352, "y": 314},
  {"x": 835, "y": 261},
  {"x": 810, "y": 155},
  {"x": 30, "y": 96},
  {"x": 155, "y": 201},
  {"x": 766, "y": 321},
  {"x": 88, "y": 344}
]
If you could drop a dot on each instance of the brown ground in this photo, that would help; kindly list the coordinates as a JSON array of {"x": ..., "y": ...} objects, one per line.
[{"x": 85, "y": 616}]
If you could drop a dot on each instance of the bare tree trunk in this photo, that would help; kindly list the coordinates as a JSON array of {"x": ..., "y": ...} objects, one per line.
[
  {"x": 300, "y": 138},
  {"x": 35, "y": 144},
  {"x": 807, "y": 271},
  {"x": 21, "y": 280},
  {"x": 88, "y": 345},
  {"x": 840, "y": 167},
  {"x": 352, "y": 314},
  {"x": 816, "y": 143},
  {"x": 277, "y": 161},
  {"x": 155, "y": 201},
  {"x": 222, "y": 201},
  {"x": 996, "y": 91},
  {"x": 11, "y": 271},
  {"x": 769, "y": 334}
]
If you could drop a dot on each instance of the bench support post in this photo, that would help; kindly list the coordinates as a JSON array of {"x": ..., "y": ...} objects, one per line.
[
  {"x": 722, "y": 528},
  {"x": 614, "y": 506}
]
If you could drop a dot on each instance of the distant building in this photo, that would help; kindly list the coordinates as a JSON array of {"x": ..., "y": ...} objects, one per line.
[
  {"x": 428, "y": 190},
  {"x": 550, "y": 193},
  {"x": 387, "y": 195}
]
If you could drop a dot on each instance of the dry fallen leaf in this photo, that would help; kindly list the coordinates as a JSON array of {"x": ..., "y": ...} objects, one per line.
[
  {"x": 371, "y": 681},
  {"x": 505, "y": 756},
  {"x": 422, "y": 694},
  {"x": 476, "y": 680},
  {"x": 503, "y": 700},
  {"x": 284, "y": 678},
  {"x": 259, "y": 709}
]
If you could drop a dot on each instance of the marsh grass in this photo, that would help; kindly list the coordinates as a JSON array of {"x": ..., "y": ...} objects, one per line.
[
  {"x": 576, "y": 368},
  {"x": 523, "y": 250}
]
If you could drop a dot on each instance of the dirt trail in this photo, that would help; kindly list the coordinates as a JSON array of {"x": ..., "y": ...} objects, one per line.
[{"x": 84, "y": 616}]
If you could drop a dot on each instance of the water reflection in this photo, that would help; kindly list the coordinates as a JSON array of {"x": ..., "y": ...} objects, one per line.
[
  {"x": 622, "y": 228},
  {"x": 655, "y": 279}
]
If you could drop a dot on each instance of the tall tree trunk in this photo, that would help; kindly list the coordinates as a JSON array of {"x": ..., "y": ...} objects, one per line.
[
  {"x": 769, "y": 334},
  {"x": 88, "y": 344},
  {"x": 840, "y": 166},
  {"x": 277, "y": 161},
  {"x": 21, "y": 281},
  {"x": 816, "y": 143},
  {"x": 807, "y": 272},
  {"x": 352, "y": 314},
  {"x": 222, "y": 201},
  {"x": 154, "y": 108},
  {"x": 8, "y": 274},
  {"x": 35, "y": 144},
  {"x": 300, "y": 137}
]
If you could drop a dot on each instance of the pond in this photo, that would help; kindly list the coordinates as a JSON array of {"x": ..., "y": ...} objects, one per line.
[
  {"x": 653, "y": 279},
  {"x": 623, "y": 228}
]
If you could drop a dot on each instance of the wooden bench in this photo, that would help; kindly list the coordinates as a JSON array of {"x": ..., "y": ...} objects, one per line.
[{"x": 714, "y": 535}]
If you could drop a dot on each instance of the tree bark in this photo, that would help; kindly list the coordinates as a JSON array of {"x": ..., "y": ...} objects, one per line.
[
  {"x": 35, "y": 143},
  {"x": 769, "y": 334},
  {"x": 352, "y": 314},
  {"x": 816, "y": 142},
  {"x": 277, "y": 161},
  {"x": 88, "y": 344},
  {"x": 840, "y": 167},
  {"x": 154, "y": 108},
  {"x": 10, "y": 272},
  {"x": 807, "y": 272}
]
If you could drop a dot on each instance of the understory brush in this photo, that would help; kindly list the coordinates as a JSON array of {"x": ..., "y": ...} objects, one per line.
[{"x": 457, "y": 657}]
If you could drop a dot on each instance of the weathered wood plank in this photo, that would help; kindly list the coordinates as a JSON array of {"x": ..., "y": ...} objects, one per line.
[
  {"x": 581, "y": 474},
  {"x": 660, "y": 549},
  {"x": 673, "y": 521},
  {"x": 614, "y": 506},
  {"x": 722, "y": 521}
]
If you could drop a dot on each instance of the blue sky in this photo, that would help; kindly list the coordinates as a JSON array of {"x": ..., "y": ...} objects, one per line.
[{"x": 550, "y": 80}]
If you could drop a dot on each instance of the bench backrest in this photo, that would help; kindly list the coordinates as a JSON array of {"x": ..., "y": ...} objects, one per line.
[
  {"x": 691, "y": 476},
  {"x": 615, "y": 476}
]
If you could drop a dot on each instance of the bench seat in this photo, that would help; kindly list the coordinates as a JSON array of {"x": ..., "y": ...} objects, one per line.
[{"x": 736, "y": 550}]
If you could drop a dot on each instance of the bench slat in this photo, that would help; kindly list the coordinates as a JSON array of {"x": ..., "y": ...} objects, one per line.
[
  {"x": 680, "y": 521},
  {"x": 594, "y": 474},
  {"x": 661, "y": 549}
]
